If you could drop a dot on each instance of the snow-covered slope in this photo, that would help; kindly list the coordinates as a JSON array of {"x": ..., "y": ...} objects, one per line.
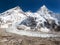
[
  {"x": 47, "y": 14},
  {"x": 43, "y": 20},
  {"x": 12, "y": 16}
]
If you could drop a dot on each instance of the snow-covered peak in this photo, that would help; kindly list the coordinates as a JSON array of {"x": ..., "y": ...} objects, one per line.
[
  {"x": 43, "y": 9},
  {"x": 45, "y": 12},
  {"x": 13, "y": 10},
  {"x": 12, "y": 16},
  {"x": 43, "y": 18}
]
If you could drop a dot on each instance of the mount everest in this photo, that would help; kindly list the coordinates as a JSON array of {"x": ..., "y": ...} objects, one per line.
[{"x": 43, "y": 20}]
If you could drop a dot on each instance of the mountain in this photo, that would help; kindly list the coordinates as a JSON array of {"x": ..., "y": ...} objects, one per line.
[
  {"x": 43, "y": 20},
  {"x": 11, "y": 16},
  {"x": 48, "y": 14}
]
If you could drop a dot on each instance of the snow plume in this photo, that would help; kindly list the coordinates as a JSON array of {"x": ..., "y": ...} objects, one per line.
[{"x": 43, "y": 20}]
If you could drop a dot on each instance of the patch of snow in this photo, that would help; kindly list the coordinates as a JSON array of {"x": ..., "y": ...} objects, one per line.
[
  {"x": 44, "y": 29},
  {"x": 4, "y": 26}
]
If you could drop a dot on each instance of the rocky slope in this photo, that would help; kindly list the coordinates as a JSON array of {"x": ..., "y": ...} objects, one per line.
[{"x": 14, "y": 39}]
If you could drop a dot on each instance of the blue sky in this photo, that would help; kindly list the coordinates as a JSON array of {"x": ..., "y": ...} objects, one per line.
[{"x": 32, "y": 5}]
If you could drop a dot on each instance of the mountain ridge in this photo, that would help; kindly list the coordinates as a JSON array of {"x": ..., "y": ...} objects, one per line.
[{"x": 43, "y": 19}]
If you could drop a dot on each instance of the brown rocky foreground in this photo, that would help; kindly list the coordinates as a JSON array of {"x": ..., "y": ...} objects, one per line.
[{"x": 14, "y": 39}]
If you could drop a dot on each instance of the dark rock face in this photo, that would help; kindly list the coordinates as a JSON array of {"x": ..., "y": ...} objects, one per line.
[
  {"x": 57, "y": 28},
  {"x": 1, "y": 21},
  {"x": 50, "y": 24},
  {"x": 30, "y": 22},
  {"x": 47, "y": 24}
]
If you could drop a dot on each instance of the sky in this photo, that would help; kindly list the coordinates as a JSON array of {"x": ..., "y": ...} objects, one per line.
[{"x": 32, "y": 5}]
